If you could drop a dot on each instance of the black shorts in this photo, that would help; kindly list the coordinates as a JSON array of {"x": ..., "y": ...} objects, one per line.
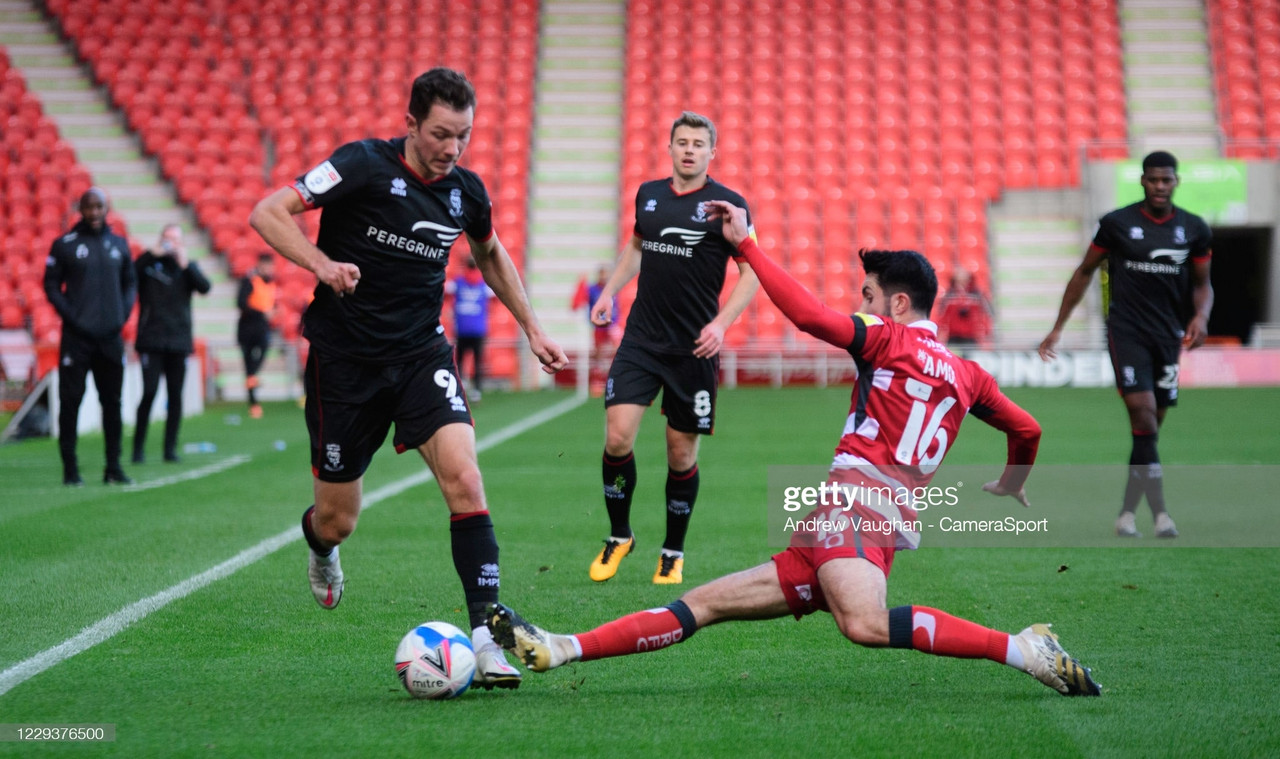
[
  {"x": 1145, "y": 365},
  {"x": 688, "y": 385},
  {"x": 351, "y": 405}
]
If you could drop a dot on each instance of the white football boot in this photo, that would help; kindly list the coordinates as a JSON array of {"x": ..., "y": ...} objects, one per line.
[
  {"x": 1045, "y": 660},
  {"x": 326, "y": 578}
]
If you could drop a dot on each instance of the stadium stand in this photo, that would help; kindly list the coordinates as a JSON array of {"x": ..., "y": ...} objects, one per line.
[
  {"x": 40, "y": 180},
  {"x": 1244, "y": 37},
  {"x": 236, "y": 98},
  {"x": 894, "y": 123}
]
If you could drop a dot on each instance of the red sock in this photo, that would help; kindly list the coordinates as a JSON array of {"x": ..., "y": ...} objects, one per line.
[
  {"x": 939, "y": 633},
  {"x": 642, "y": 631}
]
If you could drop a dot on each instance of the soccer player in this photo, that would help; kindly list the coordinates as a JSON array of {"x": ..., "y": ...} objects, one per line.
[
  {"x": 1159, "y": 301},
  {"x": 905, "y": 378},
  {"x": 392, "y": 211},
  {"x": 89, "y": 280},
  {"x": 672, "y": 340}
]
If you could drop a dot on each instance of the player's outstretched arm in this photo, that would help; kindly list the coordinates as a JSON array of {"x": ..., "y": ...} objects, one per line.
[
  {"x": 1074, "y": 293},
  {"x": 796, "y": 303},
  {"x": 627, "y": 267},
  {"x": 272, "y": 219},
  {"x": 501, "y": 276},
  {"x": 1021, "y": 430}
]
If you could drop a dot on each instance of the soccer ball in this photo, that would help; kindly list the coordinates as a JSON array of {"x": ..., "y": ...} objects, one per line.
[{"x": 435, "y": 660}]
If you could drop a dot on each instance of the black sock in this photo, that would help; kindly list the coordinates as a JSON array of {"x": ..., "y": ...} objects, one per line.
[
  {"x": 900, "y": 627},
  {"x": 1141, "y": 459},
  {"x": 1154, "y": 474},
  {"x": 309, "y": 533},
  {"x": 475, "y": 557},
  {"x": 682, "y": 492},
  {"x": 619, "y": 475},
  {"x": 684, "y": 614}
]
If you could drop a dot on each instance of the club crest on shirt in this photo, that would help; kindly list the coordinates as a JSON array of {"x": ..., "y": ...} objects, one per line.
[
  {"x": 1179, "y": 236},
  {"x": 701, "y": 214},
  {"x": 82, "y": 251},
  {"x": 455, "y": 202}
]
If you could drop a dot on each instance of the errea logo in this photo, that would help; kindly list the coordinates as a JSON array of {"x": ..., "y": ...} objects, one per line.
[{"x": 399, "y": 187}]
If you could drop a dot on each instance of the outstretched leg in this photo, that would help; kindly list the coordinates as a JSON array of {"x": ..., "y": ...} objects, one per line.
[
  {"x": 751, "y": 594},
  {"x": 855, "y": 591}
]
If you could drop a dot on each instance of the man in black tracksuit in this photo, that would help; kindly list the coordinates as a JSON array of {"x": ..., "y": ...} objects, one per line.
[
  {"x": 88, "y": 279},
  {"x": 166, "y": 280}
]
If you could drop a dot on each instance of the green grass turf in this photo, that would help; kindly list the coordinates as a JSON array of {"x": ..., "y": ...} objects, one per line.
[{"x": 1184, "y": 640}]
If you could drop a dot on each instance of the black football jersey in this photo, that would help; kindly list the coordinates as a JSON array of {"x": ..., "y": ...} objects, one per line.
[
  {"x": 682, "y": 265},
  {"x": 1149, "y": 270},
  {"x": 398, "y": 228}
]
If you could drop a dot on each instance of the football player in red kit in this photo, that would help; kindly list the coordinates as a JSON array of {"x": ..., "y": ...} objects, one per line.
[{"x": 910, "y": 397}]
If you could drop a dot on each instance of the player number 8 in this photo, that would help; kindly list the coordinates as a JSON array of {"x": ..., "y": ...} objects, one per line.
[{"x": 702, "y": 403}]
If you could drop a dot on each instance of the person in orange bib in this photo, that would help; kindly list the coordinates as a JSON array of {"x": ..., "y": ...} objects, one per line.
[{"x": 257, "y": 303}]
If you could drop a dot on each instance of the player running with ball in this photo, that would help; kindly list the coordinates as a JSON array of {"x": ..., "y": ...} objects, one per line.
[{"x": 885, "y": 444}]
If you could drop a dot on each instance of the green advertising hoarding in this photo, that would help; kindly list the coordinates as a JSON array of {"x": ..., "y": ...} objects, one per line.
[{"x": 1215, "y": 190}]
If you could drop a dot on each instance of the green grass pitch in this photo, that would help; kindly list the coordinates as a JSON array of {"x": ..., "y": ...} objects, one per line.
[{"x": 1184, "y": 640}]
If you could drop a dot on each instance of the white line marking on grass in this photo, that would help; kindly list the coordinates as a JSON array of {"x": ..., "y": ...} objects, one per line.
[
  {"x": 194, "y": 474},
  {"x": 109, "y": 626}
]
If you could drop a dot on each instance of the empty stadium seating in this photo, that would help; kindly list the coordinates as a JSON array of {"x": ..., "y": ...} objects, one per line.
[
  {"x": 1244, "y": 39},
  {"x": 237, "y": 98},
  {"x": 864, "y": 123},
  {"x": 40, "y": 180}
]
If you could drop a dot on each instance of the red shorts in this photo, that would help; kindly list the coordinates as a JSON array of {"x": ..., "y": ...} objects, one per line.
[
  {"x": 604, "y": 337},
  {"x": 798, "y": 565}
]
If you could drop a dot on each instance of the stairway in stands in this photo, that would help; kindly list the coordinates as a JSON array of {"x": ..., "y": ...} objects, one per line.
[
  {"x": 574, "y": 203},
  {"x": 1168, "y": 78}
]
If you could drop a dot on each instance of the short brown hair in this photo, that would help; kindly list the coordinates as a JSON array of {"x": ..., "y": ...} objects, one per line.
[
  {"x": 440, "y": 85},
  {"x": 696, "y": 121}
]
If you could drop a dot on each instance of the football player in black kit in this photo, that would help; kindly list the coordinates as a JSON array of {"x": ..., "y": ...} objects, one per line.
[
  {"x": 392, "y": 211},
  {"x": 672, "y": 340},
  {"x": 1158, "y": 268}
]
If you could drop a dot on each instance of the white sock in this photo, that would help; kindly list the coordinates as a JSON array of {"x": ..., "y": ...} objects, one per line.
[
  {"x": 1013, "y": 654},
  {"x": 577, "y": 647},
  {"x": 675, "y": 554},
  {"x": 328, "y": 558},
  {"x": 480, "y": 637}
]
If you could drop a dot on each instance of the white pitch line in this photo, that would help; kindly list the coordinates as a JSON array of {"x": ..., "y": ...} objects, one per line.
[
  {"x": 113, "y": 624},
  {"x": 194, "y": 474}
]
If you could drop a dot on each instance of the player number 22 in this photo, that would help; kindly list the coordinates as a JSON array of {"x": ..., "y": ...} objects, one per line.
[{"x": 918, "y": 435}]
